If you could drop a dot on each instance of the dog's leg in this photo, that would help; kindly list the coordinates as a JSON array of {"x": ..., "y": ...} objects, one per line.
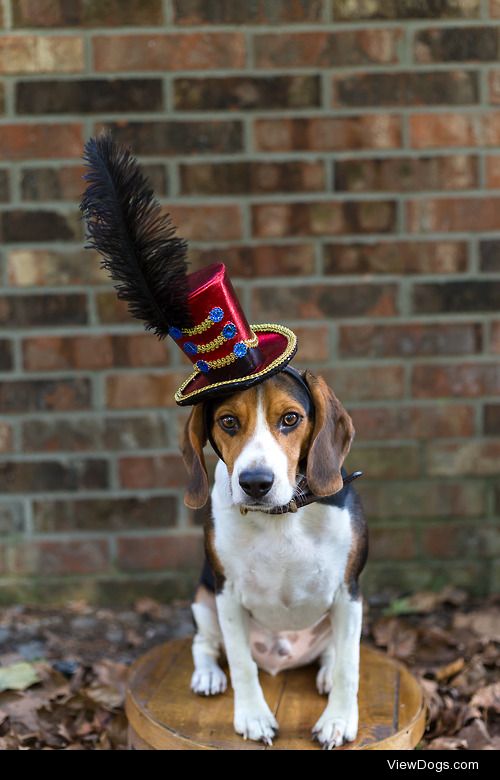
[
  {"x": 208, "y": 678},
  {"x": 324, "y": 678},
  {"x": 339, "y": 721},
  {"x": 252, "y": 717}
]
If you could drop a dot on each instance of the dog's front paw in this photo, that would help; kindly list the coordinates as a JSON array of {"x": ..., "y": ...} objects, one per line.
[
  {"x": 336, "y": 727},
  {"x": 208, "y": 682},
  {"x": 324, "y": 679},
  {"x": 256, "y": 722}
]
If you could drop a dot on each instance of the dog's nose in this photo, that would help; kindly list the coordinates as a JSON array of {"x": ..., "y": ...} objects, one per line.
[{"x": 256, "y": 483}]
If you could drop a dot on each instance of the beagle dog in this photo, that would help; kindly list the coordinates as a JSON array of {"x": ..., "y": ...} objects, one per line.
[{"x": 285, "y": 545}]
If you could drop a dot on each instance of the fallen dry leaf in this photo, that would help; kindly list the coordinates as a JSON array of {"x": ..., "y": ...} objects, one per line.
[
  {"x": 18, "y": 677},
  {"x": 447, "y": 743},
  {"x": 483, "y": 622},
  {"x": 450, "y": 670},
  {"x": 488, "y": 698}
]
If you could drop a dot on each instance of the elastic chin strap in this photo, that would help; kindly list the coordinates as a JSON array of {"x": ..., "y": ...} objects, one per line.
[{"x": 208, "y": 408}]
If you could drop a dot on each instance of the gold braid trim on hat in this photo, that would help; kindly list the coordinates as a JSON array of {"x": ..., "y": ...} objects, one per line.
[
  {"x": 201, "y": 328},
  {"x": 218, "y": 341},
  {"x": 227, "y": 359},
  {"x": 289, "y": 350}
]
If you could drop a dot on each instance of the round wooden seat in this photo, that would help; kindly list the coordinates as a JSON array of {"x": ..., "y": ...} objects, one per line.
[{"x": 164, "y": 714}]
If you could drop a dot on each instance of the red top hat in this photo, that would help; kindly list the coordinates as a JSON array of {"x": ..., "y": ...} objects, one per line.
[
  {"x": 199, "y": 310},
  {"x": 227, "y": 353}
]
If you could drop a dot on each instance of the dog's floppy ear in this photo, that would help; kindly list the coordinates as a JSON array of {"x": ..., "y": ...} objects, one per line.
[
  {"x": 195, "y": 438},
  {"x": 330, "y": 440}
]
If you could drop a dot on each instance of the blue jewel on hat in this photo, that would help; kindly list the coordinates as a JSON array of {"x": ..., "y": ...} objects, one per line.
[
  {"x": 229, "y": 330},
  {"x": 216, "y": 314},
  {"x": 190, "y": 348},
  {"x": 240, "y": 349},
  {"x": 203, "y": 366},
  {"x": 176, "y": 333}
]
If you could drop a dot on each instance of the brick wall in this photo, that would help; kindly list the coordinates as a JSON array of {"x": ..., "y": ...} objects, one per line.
[{"x": 342, "y": 158}]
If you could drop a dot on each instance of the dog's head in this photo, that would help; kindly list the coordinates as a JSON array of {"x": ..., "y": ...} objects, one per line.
[{"x": 267, "y": 435}]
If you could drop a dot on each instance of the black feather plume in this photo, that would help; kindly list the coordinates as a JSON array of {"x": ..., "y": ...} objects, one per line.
[{"x": 137, "y": 242}]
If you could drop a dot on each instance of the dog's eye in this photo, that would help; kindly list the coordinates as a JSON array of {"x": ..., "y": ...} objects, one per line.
[
  {"x": 228, "y": 422},
  {"x": 289, "y": 419}
]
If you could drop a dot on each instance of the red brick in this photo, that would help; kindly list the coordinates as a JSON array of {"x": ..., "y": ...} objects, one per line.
[
  {"x": 392, "y": 543},
  {"x": 258, "y": 261},
  {"x": 456, "y": 296},
  {"x": 415, "y": 498},
  {"x": 45, "y": 395},
  {"x": 396, "y": 257},
  {"x": 489, "y": 255},
  {"x": 157, "y": 553},
  {"x": 449, "y": 130},
  {"x": 53, "y": 475},
  {"x": 44, "y": 558},
  {"x": 323, "y": 134},
  {"x": 5, "y": 437},
  {"x": 4, "y": 186},
  {"x": 406, "y": 174},
  {"x": 495, "y": 338},
  {"x": 491, "y": 426},
  {"x": 450, "y": 214},
  {"x": 46, "y": 141},
  {"x": 325, "y": 300},
  {"x": 457, "y": 44},
  {"x": 41, "y": 54},
  {"x": 104, "y": 514},
  {"x": 409, "y": 88},
  {"x": 318, "y": 218},
  {"x": 405, "y": 9},
  {"x": 139, "y": 391},
  {"x": 492, "y": 169},
  {"x": 248, "y": 177},
  {"x": 458, "y": 540},
  {"x": 178, "y": 137},
  {"x": 247, "y": 93},
  {"x": 470, "y": 380},
  {"x": 25, "y": 311},
  {"x": 327, "y": 49},
  {"x": 85, "y": 434},
  {"x": 365, "y": 383},
  {"x": 413, "y": 422},
  {"x": 495, "y": 9},
  {"x": 112, "y": 13},
  {"x": 20, "y": 226},
  {"x": 385, "y": 461},
  {"x": 93, "y": 352},
  {"x": 52, "y": 268},
  {"x": 161, "y": 471},
  {"x": 62, "y": 183},
  {"x": 189, "y": 51},
  {"x": 6, "y": 355},
  {"x": 313, "y": 343},
  {"x": 241, "y": 12},
  {"x": 472, "y": 458},
  {"x": 112, "y": 310},
  {"x": 87, "y": 96},
  {"x": 410, "y": 340},
  {"x": 207, "y": 223}
]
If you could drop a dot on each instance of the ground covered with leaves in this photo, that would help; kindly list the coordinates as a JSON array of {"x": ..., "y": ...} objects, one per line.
[{"x": 63, "y": 671}]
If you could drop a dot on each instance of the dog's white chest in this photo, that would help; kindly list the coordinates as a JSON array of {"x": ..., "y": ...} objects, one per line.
[{"x": 284, "y": 569}]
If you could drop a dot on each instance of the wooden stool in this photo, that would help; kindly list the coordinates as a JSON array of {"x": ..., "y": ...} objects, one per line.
[{"x": 164, "y": 714}]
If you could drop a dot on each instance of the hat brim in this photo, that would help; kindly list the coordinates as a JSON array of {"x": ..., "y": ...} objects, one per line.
[{"x": 277, "y": 344}]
